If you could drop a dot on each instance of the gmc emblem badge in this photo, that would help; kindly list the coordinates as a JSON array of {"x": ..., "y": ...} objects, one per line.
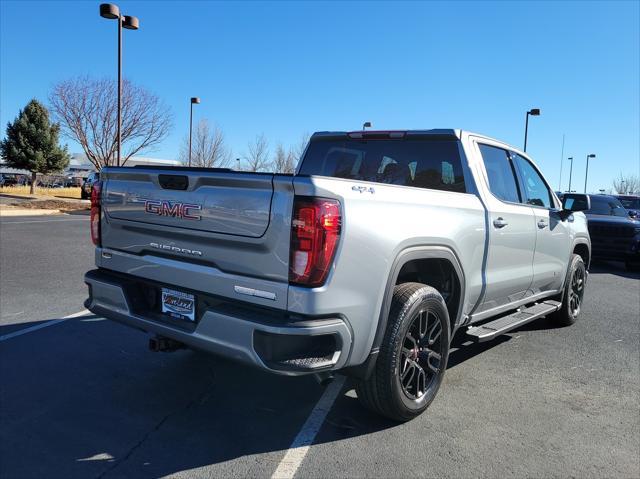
[{"x": 172, "y": 209}]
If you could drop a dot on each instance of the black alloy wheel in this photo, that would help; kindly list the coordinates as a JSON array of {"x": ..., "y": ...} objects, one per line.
[{"x": 421, "y": 354}]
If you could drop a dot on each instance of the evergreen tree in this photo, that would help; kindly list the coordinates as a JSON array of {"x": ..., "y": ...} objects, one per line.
[{"x": 32, "y": 143}]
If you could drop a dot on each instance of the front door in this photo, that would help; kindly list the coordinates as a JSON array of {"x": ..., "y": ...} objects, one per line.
[{"x": 553, "y": 241}]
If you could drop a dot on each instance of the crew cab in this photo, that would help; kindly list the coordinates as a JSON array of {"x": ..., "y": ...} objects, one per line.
[{"x": 366, "y": 261}]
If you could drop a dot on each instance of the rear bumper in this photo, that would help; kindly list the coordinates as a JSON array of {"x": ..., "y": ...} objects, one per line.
[{"x": 268, "y": 340}]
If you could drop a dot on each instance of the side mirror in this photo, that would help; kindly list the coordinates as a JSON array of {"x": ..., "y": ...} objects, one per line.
[
  {"x": 572, "y": 202},
  {"x": 633, "y": 214}
]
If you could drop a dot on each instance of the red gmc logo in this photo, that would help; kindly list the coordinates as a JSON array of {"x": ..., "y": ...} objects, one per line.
[{"x": 175, "y": 209}]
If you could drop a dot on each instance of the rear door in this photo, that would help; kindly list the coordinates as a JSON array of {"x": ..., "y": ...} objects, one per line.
[
  {"x": 511, "y": 231},
  {"x": 553, "y": 240}
]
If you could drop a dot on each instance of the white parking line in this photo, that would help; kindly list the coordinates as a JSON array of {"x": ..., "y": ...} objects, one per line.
[
  {"x": 42, "y": 325},
  {"x": 300, "y": 445}
]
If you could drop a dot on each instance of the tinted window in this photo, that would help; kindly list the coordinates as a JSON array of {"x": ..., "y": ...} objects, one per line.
[
  {"x": 502, "y": 181},
  {"x": 606, "y": 205},
  {"x": 535, "y": 191},
  {"x": 420, "y": 163},
  {"x": 630, "y": 203}
]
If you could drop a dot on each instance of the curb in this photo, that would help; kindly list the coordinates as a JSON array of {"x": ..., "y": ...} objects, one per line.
[
  {"x": 27, "y": 212},
  {"x": 18, "y": 197}
]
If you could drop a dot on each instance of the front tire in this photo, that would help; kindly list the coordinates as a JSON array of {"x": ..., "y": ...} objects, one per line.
[
  {"x": 573, "y": 294},
  {"x": 413, "y": 355}
]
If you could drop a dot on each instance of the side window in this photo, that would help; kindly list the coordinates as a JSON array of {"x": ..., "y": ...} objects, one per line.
[
  {"x": 535, "y": 191},
  {"x": 502, "y": 181}
]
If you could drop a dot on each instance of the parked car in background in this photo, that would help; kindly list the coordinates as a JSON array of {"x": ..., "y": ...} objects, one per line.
[
  {"x": 73, "y": 181},
  {"x": 87, "y": 185},
  {"x": 631, "y": 203},
  {"x": 9, "y": 180},
  {"x": 614, "y": 235}
]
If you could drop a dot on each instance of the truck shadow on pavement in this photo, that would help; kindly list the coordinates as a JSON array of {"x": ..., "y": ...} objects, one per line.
[{"x": 84, "y": 398}]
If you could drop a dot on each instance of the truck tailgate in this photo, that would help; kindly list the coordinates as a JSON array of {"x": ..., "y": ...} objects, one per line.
[{"x": 234, "y": 221}]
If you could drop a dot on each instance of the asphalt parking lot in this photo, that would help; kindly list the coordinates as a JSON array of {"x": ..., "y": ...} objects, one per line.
[{"x": 84, "y": 397}]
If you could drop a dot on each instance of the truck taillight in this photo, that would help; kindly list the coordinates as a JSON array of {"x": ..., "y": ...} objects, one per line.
[
  {"x": 315, "y": 231},
  {"x": 96, "y": 191}
]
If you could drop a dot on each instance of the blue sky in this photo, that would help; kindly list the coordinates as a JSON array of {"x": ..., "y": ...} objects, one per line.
[{"x": 285, "y": 68}]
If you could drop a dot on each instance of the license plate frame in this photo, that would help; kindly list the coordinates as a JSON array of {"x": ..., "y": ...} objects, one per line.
[{"x": 178, "y": 305}]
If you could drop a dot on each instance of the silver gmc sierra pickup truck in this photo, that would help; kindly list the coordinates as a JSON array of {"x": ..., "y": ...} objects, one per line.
[{"x": 367, "y": 260}]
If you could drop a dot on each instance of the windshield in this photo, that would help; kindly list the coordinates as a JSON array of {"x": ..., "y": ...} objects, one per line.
[{"x": 606, "y": 205}]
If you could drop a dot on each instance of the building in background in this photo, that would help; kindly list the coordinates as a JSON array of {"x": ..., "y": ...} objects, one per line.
[{"x": 79, "y": 167}]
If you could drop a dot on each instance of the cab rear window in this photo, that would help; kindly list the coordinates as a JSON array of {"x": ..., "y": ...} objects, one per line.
[{"x": 432, "y": 164}]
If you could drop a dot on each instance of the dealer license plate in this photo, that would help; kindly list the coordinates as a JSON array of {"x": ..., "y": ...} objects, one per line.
[{"x": 179, "y": 305}]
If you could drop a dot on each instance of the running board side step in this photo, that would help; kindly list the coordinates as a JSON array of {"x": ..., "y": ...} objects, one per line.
[{"x": 488, "y": 331}]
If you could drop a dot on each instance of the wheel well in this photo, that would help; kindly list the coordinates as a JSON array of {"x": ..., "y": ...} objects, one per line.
[
  {"x": 583, "y": 250},
  {"x": 439, "y": 274}
]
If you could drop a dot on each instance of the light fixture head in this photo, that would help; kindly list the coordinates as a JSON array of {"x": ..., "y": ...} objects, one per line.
[
  {"x": 570, "y": 158},
  {"x": 109, "y": 10},
  {"x": 534, "y": 112},
  {"x": 130, "y": 23},
  {"x": 195, "y": 100},
  {"x": 591, "y": 155},
  {"x": 366, "y": 124}
]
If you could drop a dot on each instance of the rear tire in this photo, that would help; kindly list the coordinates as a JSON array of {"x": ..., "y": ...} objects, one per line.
[
  {"x": 413, "y": 355},
  {"x": 573, "y": 293}
]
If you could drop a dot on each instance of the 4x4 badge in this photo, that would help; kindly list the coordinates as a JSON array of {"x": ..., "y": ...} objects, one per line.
[{"x": 363, "y": 189}]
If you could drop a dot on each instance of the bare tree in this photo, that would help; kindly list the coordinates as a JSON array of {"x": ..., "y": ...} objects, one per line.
[
  {"x": 86, "y": 109},
  {"x": 292, "y": 162},
  {"x": 284, "y": 162},
  {"x": 626, "y": 183},
  {"x": 300, "y": 148},
  {"x": 208, "y": 148},
  {"x": 257, "y": 158}
]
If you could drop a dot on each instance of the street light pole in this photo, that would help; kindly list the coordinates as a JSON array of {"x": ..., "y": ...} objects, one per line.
[
  {"x": 112, "y": 12},
  {"x": 119, "y": 134},
  {"x": 586, "y": 174},
  {"x": 532, "y": 112},
  {"x": 561, "y": 161},
  {"x": 194, "y": 100},
  {"x": 570, "y": 171}
]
